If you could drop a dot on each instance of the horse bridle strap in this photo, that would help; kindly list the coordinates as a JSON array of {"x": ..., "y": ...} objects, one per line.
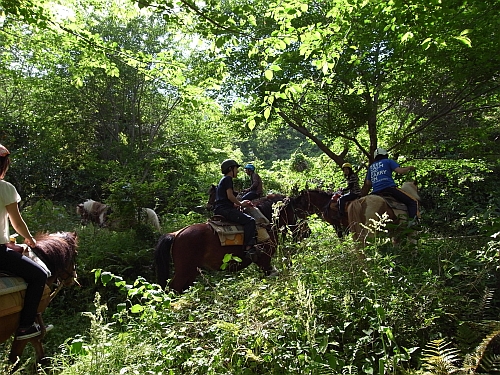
[{"x": 54, "y": 293}]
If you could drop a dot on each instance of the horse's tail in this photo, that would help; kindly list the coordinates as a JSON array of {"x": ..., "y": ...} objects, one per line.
[
  {"x": 152, "y": 218},
  {"x": 162, "y": 258},
  {"x": 355, "y": 217}
]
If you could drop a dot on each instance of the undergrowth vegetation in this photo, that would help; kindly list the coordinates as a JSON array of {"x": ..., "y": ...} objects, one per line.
[{"x": 422, "y": 308}]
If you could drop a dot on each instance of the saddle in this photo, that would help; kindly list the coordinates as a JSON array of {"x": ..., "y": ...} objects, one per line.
[
  {"x": 231, "y": 234},
  {"x": 393, "y": 203},
  {"x": 398, "y": 207}
]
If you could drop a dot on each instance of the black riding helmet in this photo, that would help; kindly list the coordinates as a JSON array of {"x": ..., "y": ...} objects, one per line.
[{"x": 226, "y": 164}]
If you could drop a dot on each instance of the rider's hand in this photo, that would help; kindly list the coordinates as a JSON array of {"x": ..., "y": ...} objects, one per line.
[
  {"x": 30, "y": 241},
  {"x": 246, "y": 203}
]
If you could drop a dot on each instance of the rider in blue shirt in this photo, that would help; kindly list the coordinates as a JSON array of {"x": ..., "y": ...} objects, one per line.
[{"x": 379, "y": 177}]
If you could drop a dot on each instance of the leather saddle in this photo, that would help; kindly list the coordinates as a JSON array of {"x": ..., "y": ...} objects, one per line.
[
  {"x": 393, "y": 203},
  {"x": 231, "y": 234}
]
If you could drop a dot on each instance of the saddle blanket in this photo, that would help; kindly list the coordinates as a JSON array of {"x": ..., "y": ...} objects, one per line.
[
  {"x": 393, "y": 203},
  {"x": 231, "y": 234}
]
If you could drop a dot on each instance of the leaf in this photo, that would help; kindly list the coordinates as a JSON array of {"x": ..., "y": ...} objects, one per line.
[
  {"x": 407, "y": 36},
  {"x": 465, "y": 40},
  {"x": 106, "y": 277},
  {"x": 268, "y": 74},
  {"x": 267, "y": 112},
  {"x": 136, "y": 309},
  {"x": 251, "y": 124}
]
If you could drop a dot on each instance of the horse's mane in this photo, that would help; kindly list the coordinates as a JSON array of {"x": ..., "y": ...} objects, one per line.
[
  {"x": 410, "y": 187},
  {"x": 54, "y": 249},
  {"x": 265, "y": 204},
  {"x": 315, "y": 191}
]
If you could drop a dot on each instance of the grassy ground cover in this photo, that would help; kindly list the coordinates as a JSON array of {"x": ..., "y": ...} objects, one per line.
[{"x": 332, "y": 310}]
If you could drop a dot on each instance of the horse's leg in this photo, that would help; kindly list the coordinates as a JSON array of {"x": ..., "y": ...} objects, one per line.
[
  {"x": 19, "y": 345},
  {"x": 17, "y": 350},
  {"x": 180, "y": 283},
  {"x": 186, "y": 263},
  {"x": 264, "y": 259}
]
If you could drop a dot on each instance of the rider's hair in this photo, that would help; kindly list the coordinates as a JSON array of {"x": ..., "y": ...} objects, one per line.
[{"x": 4, "y": 165}]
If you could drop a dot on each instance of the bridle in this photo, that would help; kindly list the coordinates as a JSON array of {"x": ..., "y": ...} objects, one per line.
[{"x": 62, "y": 280}]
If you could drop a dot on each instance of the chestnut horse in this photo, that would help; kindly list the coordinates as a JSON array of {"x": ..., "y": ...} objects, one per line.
[
  {"x": 58, "y": 252},
  {"x": 286, "y": 220},
  {"x": 198, "y": 246},
  {"x": 364, "y": 212}
]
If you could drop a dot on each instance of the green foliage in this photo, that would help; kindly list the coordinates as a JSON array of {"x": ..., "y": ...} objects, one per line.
[
  {"x": 119, "y": 106},
  {"x": 458, "y": 196},
  {"x": 330, "y": 311}
]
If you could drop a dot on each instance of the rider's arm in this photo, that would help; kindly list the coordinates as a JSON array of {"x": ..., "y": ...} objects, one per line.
[
  {"x": 404, "y": 170},
  {"x": 235, "y": 200},
  {"x": 19, "y": 225},
  {"x": 366, "y": 188}
]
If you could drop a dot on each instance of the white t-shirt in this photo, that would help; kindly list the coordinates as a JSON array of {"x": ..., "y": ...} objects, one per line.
[{"x": 8, "y": 195}]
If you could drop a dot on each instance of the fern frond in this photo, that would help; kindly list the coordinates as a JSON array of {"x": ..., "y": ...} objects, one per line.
[
  {"x": 440, "y": 359},
  {"x": 347, "y": 370},
  {"x": 485, "y": 303},
  {"x": 486, "y": 357}
]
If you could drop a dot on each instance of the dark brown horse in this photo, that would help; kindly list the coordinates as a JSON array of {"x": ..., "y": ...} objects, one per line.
[
  {"x": 319, "y": 202},
  {"x": 58, "y": 251},
  {"x": 285, "y": 222},
  {"x": 198, "y": 247}
]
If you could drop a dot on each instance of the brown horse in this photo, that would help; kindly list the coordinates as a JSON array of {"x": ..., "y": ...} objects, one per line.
[
  {"x": 365, "y": 212},
  {"x": 314, "y": 201},
  {"x": 285, "y": 222},
  {"x": 58, "y": 252},
  {"x": 198, "y": 246}
]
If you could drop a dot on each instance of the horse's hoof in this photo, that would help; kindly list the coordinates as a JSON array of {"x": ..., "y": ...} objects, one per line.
[{"x": 272, "y": 273}]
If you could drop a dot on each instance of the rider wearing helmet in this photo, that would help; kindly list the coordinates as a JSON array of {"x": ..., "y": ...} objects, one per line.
[
  {"x": 226, "y": 202},
  {"x": 352, "y": 191},
  {"x": 255, "y": 189},
  {"x": 379, "y": 177}
]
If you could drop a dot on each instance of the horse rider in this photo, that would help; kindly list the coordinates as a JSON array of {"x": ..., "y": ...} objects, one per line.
[
  {"x": 352, "y": 191},
  {"x": 13, "y": 261},
  {"x": 226, "y": 203},
  {"x": 255, "y": 189},
  {"x": 379, "y": 177}
]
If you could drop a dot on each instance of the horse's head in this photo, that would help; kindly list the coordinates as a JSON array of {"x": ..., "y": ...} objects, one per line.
[
  {"x": 301, "y": 204},
  {"x": 277, "y": 208},
  {"x": 93, "y": 211},
  {"x": 311, "y": 201},
  {"x": 80, "y": 210},
  {"x": 211, "y": 198}
]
